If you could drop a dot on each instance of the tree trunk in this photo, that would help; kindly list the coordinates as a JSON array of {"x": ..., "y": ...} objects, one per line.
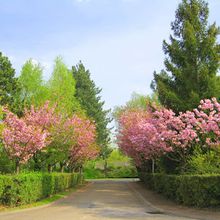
[
  {"x": 73, "y": 169},
  {"x": 80, "y": 170},
  {"x": 105, "y": 168},
  {"x": 153, "y": 166},
  {"x": 61, "y": 167},
  {"x": 49, "y": 168},
  {"x": 17, "y": 167}
]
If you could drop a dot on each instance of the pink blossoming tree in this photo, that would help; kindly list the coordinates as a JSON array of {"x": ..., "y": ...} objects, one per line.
[
  {"x": 44, "y": 132},
  {"x": 144, "y": 134},
  {"x": 21, "y": 139},
  {"x": 83, "y": 141}
]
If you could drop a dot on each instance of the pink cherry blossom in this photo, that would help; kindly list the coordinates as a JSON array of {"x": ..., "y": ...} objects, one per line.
[
  {"x": 144, "y": 135},
  {"x": 84, "y": 139},
  {"x": 22, "y": 140}
]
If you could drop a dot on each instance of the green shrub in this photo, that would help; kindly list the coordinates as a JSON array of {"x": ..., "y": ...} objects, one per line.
[
  {"x": 27, "y": 188},
  {"x": 118, "y": 166},
  {"x": 112, "y": 172},
  {"x": 6, "y": 165},
  {"x": 192, "y": 190},
  {"x": 2, "y": 185},
  {"x": 204, "y": 163},
  {"x": 93, "y": 173},
  {"x": 122, "y": 172}
]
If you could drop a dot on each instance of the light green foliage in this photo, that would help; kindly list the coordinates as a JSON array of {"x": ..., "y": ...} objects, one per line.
[
  {"x": 204, "y": 163},
  {"x": 142, "y": 101},
  {"x": 118, "y": 166},
  {"x": 117, "y": 155},
  {"x": 192, "y": 59},
  {"x": 138, "y": 101},
  {"x": 62, "y": 89},
  {"x": 32, "y": 87}
]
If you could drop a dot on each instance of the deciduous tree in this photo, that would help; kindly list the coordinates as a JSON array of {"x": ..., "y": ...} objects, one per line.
[
  {"x": 21, "y": 139},
  {"x": 32, "y": 87},
  {"x": 62, "y": 89}
]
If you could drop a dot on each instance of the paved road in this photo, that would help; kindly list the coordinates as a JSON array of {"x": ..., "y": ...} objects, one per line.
[{"x": 107, "y": 200}]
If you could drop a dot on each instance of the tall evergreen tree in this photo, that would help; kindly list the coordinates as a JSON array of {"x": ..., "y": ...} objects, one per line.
[
  {"x": 89, "y": 97},
  {"x": 8, "y": 82},
  {"x": 192, "y": 59}
]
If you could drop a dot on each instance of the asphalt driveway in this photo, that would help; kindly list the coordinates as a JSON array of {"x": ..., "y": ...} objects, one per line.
[{"x": 105, "y": 199}]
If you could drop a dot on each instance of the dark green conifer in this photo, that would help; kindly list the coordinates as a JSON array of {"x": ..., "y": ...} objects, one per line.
[{"x": 192, "y": 59}]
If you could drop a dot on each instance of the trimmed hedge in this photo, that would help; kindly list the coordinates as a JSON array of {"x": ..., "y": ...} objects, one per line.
[
  {"x": 22, "y": 189},
  {"x": 191, "y": 190}
]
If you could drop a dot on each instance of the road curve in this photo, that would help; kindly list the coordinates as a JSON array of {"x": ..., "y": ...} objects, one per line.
[{"x": 104, "y": 200}]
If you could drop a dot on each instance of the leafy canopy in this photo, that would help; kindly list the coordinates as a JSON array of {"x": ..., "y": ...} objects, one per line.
[
  {"x": 33, "y": 90},
  {"x": 62, "y": 89}
]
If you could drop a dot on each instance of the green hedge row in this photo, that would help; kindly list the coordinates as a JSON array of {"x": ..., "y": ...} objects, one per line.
[
  {"x": 191, "y": 190},
  {"x": 27, "y": 188}
]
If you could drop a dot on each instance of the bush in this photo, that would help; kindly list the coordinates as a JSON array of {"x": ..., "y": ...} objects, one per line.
[
  {"x": 118, "y": 166},
  {"x": 122, "y": 172},
  {"x": 191, "y": 190},
  {"x": 204, "y": 162},
  {"x": 27, "y": 188},
  {"x": 93, "y": 173},
  {"x": 112, "y": 172},
  {"x": 6, "y": 165}
]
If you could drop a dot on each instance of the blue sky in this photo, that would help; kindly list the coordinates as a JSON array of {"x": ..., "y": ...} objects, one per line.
[{"x": 119, "y": 41}]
